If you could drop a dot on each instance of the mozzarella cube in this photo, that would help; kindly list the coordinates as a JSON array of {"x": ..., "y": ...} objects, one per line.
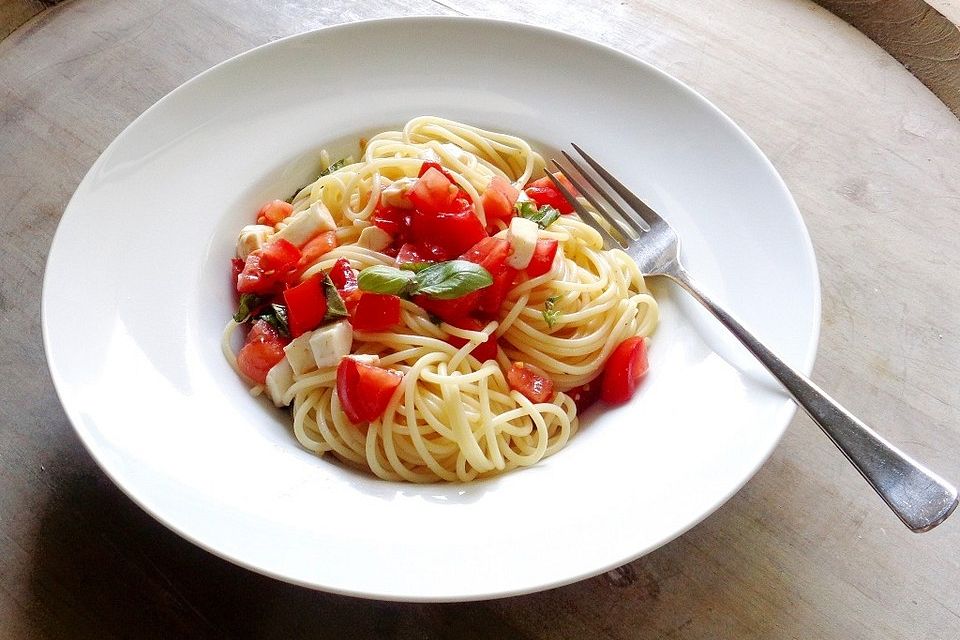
[
  {"x": 299, "y": 354},
  {"x": 279, "y": 381},
  {"x": 301, "y": 227},
  {"x": 395, "y": 194},
  {"x": 374, "y": 238},
  {"x": 252, "y": 237},
  {"x": 523, "y": 240},
  {"x": 330, "y": 343}
]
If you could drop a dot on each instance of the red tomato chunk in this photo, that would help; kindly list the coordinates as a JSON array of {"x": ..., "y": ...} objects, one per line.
[
  {"x": 269, "y": 268},
  {"x": 544, "y": 192},
  {"x": 343, "y": 276},
  {"x": 364, "y": 390},
  {"x": 624, "y": 369},
  {"x": 306, "y": 305},
  {"x": 498, "y": 199},
  {"x": 273, "y": 212},
  {"x": 531, "y": 382},
  {"x": 373, "y": 311},
  {"x": 262, "y": 350},
  {"x": 543, "y": 256}
]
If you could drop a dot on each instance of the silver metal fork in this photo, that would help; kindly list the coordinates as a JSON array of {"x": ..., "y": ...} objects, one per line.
[{"x": 919, "y": 497}]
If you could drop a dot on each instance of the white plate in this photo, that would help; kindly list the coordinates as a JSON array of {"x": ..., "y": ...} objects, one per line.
[{"x": 136, "y": 294}]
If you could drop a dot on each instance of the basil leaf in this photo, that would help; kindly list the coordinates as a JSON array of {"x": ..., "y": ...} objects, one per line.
[
  {"x": 416, "y": 267},
  {"x": 336, "y": 166},
  {"x": 544, "y": 216},
  {"x": 277, "y": 316},
  {"x": 452, "y": 279},
  {"x": 383, "y": 279},
  {"x": 551, "y": 315},
  {"x": 248, "y": 304},
  {"x": 335, "y": 307}
]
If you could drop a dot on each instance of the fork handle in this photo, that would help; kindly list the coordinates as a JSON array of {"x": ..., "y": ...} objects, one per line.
[{"x": 919, "y": 497}]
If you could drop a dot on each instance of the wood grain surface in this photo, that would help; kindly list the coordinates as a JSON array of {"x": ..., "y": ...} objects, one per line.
[
  {"x": 914, "y": 32},
  {"x": 805, "y": 550}
]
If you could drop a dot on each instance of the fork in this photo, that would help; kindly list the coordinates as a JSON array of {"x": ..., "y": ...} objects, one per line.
[{"x": 919, "y": 497}]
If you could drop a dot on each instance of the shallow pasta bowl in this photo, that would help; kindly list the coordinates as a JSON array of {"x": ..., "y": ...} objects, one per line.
[{"x": 144, "y": 248}]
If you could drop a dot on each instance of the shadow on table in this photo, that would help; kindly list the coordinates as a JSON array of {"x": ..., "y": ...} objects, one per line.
[{"x": 103, "y": 568}]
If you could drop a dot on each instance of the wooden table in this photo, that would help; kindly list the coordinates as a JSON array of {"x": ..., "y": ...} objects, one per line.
[{"x": 805, "y": 550}]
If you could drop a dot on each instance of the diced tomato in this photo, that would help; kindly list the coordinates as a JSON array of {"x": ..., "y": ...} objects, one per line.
[
  {"x": 343, "y": 276},
  {"x": 434, "y": 165},
  {"x": 273, "y": 212},
  {"x": 364, "y": 390},
  {"x": 486, "y": 350},
  {"x": 374, "y": 312},
  {"x": 394, "y": 221},
  {"x": 268, "y": 269},
  {"x": 450, "y": 310},
  {"x": 306, "y": 305},
  {"x": 543, "y": 255},
  {"x": 586, "y": 395},
  {"x": 543, "y": 191},
  {"x": 262, "y": 350},
  {"x": 498, "y": 199},
  {"x": 411, "y": 253},
  {"x": 492, "y": 254},
  {"x": 316, "y": 248},
  {"x": 624, "y": 369},
  {"x": 530, "y": 381},
  {"x": 351, "y": 297},
  {"x": 433, "y": 192},
  {"x": 454, "y": 231}
]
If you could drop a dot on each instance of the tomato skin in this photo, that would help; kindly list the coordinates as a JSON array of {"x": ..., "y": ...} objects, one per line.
[
  {"x": 394, "y": 221},
  {"x": 306, "y": 305},
  {"x": 273, "y": 212},
  {"x": 543, "y": 191},
  {"x": 412, "y": 253},
  {"x": 364, "y": 390},
  {"x": 543, "y": 257},
  {"x": 498, "y": 199},
  {"x": 454, "y": 231},
  {"x": 532, "y": 383},
  {"x": 343, "y": 276},
  {"x": 433, "y": 192},
  {"x": 373, "y": 311},
  {"x": 624, "y": 369},
  {"x": 492, "y": 254},
  {"x": 586, "y": 395},
  {"x": 316, "y": 247},
  {"x": 435, "y": 165},
  {"x": 451, "y": 311},
  {"x": 261, "y": 351},
  {"x": 486, "y": 350},
  {"x": 269, "y": 268}
]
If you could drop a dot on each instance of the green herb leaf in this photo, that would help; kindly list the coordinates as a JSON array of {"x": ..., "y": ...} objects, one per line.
[
  {"x": 551, "y": 315},
  {"x": 452, "y": 279},
  {"x": 544, "y": 216},
  {"x": 416, "y": 267},
  {"x": 248, "y": 304},
  {"x": 383, "y": 279},
  {"x": 336, "y": 166},
  {"x": 277, "y": 316},
  {"x": 335, "y": 307}
]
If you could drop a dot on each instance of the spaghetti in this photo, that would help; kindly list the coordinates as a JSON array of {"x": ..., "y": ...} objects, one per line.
[{"x": 447, "y": 414}]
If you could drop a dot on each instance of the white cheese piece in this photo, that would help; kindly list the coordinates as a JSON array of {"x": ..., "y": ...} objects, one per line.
[
  {"x": 523, "y": 240},
  {"x": 279, "y": 380},
  {"x": 330, "y": 343},
  {"x": 395, "y": 194},
  {"x": 252, "y": 237},
  {"x": 374, "y": 238},
  {"x": 302, "y": 227},
  {"x": 300, "y": 354}
]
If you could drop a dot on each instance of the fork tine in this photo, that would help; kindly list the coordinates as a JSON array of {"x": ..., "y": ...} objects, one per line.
[
  {"x": 638, "y": 224},
  {"x": 650, "y": 216},
  {"x": 585, "y": 215},
  {"x": 625, "y": 234}
]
